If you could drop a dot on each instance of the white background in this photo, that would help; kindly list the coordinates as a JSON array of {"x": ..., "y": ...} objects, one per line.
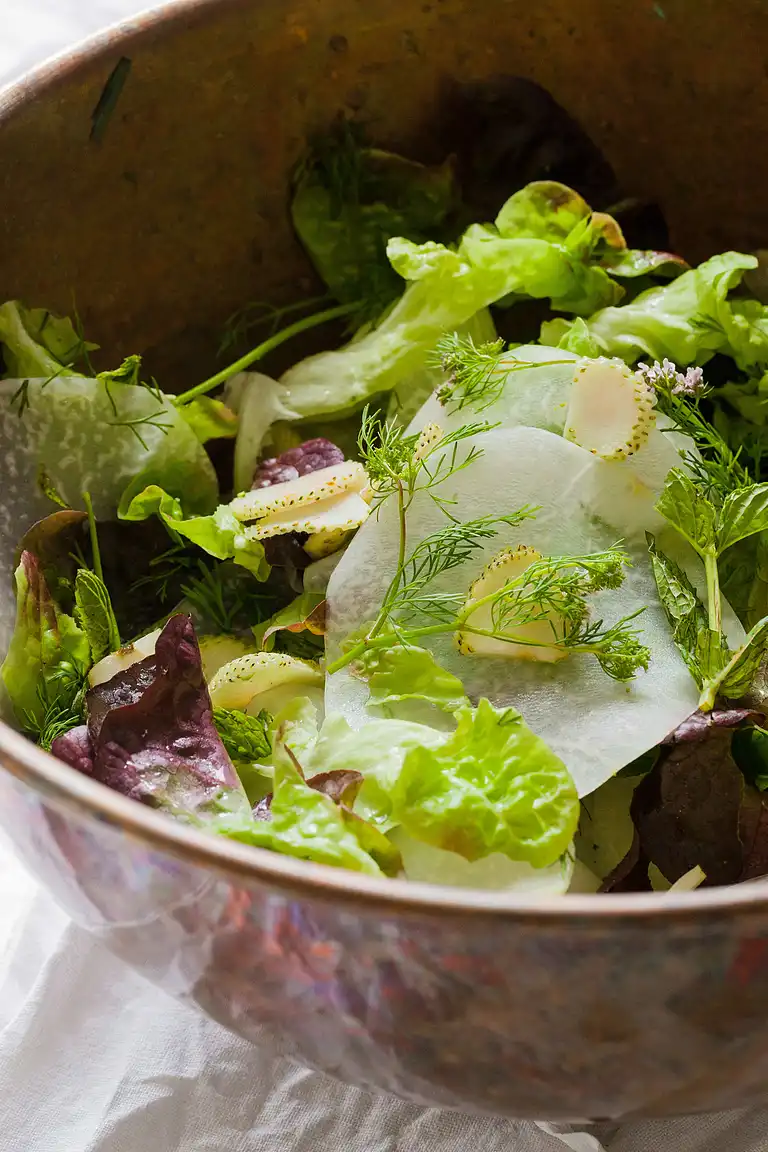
[{"x": 93, "y": 1059}]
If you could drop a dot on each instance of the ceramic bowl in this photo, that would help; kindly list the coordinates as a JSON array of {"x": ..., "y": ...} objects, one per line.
[{"x": 165, "y": 223}]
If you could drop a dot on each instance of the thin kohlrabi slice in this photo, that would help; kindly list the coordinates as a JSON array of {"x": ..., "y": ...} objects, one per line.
[
  {"x": 538, "y": 397},
  {"x": 593, "y": 723},
  {"x": 496, "y": 872}
]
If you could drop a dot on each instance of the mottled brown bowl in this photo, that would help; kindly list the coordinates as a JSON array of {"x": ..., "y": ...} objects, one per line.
[{"x": 587, "y": 1007}]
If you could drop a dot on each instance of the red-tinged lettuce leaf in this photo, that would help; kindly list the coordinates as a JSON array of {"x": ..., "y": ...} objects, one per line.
[
  {"x": 695, "y": 809},
  {"x": 633, "y": 262},
  {"x": 341, "y": 785},
  {"x": 310, "y": 456},
  {"x": 152, "y": 735},
  {"x": 76, "y": 749},
  {"x": 306, "y": 613}
]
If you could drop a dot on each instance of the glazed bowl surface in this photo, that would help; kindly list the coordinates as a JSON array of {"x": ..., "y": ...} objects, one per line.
[{"x": 583, "y": 1008}]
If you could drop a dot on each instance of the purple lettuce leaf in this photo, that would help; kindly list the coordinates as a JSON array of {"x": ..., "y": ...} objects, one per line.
[{"x": 151, "y": 736}]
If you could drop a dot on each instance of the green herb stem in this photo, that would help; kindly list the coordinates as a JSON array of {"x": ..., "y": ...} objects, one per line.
[
  {"x": 261, "y": 350},
  {"x": 94, "y": 535},
  {"x": 714, "y": 603}
]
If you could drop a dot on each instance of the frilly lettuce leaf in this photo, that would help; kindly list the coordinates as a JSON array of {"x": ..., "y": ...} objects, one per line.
[
  {"x": 376, "y": 753},
  {"x": 303, "y": 821},
  {"x": 48, "y": 656},
  {"x": 546, "y": 243},
  {"x": 220, "y": 534},
  {"x": 687, "y": 321},
  {"x": 492, "y": 786}
]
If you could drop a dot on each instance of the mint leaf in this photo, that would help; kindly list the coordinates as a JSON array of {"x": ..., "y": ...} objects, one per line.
[
  {"x": 492, "y": 786},
  {"x": 735, "y": 678},
  {"x": 685, "y": 612},
  {"x": 688, "y": 511},
  {"x": 95, "y": 615},
  {"x": 744, "y": 513}
]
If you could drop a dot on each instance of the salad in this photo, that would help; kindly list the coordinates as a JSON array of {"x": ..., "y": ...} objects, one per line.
[{"x": 477, "y": 596}]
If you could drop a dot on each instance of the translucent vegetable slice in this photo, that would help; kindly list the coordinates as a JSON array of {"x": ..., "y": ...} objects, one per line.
[
  {"x": 333, "y": 517},
  {"x": 610, "y": 409},
  {"x": 301, "y": 492},
  {"x": 535, "y": 637},
  {"x": 593, "y": 723},
  {"x": 264, "y": 680}
]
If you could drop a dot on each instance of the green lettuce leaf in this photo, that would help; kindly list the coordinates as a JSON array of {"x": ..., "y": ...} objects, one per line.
[
  {"x": 48, "y": 657},
  {"x": 220, "y": 534},
  {"x": 307, "y": 824},
  {"x": 687, "y": 321},
  {"x": 492, "y": 786},
  {"x": 376, "y": 752},
  {"x": 106, "y": 438},
  {"x": 209, "y": 419},
  {"x": 348, "y": 200},
  {"x": 95, "y": 615},
  {"x": 546, "y": 243},
  {"x": 296, "y": 626},
  {"x": 399, "y": 674},
  {"x": 36, "y": 343}
]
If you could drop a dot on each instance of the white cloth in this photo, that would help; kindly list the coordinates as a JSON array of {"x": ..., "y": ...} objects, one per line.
[{"x": 94, "y": 1059}]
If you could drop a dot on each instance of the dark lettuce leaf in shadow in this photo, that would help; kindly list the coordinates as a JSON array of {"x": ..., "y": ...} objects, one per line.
[
  {"x": 152, "y": 736},
  {"x": 508, "y": 131},
  {"x": 694, "y": 808}
]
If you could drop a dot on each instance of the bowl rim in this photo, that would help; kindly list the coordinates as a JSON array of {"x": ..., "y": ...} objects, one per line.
[{"x": 87, "y": 798}]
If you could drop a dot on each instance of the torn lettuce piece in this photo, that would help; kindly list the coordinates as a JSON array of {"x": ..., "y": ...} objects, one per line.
[
  {"x": 209, "y": 419},
  {"x": 687, "y": 321},
  {"x": 47, "y": 660},
  {"x": 111, "y": 441},
  {"x": 594, "y": 724},
  {"x": 408, "y": 397},
  {"x": 495, "y": 873},
  {"x": 304, "y": 823},
  {"x": 37, "y": 343},
  {"x": 491, "y": 787},
  {"x": 399, "y": 675},
  {"x": 545, "y": 243},
  {"x": 259, "y": 402},
  {"x": 220, "y": 534},
  {"x": 377, "y": 753}
]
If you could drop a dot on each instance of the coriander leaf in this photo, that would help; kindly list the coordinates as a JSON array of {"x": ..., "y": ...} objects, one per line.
[
  {"x": 49, "y": 655},
  {"x": 744, "y": 513},
  {"x": 244, "y": 737},
  {"x": 679, "y": 599},
  {"x": 688, "y": 511},
  {"x": 492, "y": 786},
  {"x": 220, "y": 534},
  {"x": 400, "y": 673},
  {"x": 95, "y": 615}
]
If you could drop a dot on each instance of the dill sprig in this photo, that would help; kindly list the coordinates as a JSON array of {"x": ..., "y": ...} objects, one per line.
[
  {"x": 259, "y": 312},
  {"x": 157, "y": 420},
  {"x": 476, "y": 373}
]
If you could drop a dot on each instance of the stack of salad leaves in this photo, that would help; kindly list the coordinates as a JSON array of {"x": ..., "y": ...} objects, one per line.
[{"x": 480, "y": 612}]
